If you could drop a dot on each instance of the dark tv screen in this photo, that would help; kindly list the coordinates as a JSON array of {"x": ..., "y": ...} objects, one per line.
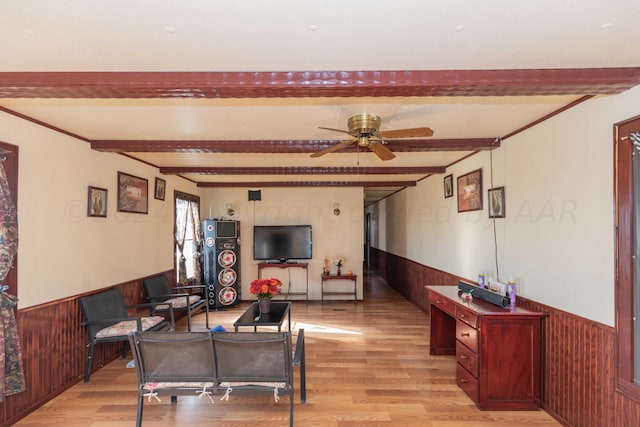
[
  {"x": 226, "y": 229},
  {"x": 281, "y": 242}
]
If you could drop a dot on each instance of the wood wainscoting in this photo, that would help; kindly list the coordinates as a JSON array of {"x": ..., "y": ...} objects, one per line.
[
  {"x": 578, "y": 384},
  {"x": 54, "y": 349}
]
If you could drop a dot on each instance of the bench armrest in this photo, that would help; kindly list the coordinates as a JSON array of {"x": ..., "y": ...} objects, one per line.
[
  {"x": 299, "y": 361},
  {"x": 160, "y": 298},
  {"x": 191, "y": 287},
  {"x": 152, "y": 305},
  {"x": 298, "y": 356},
  {"x": 107, "y": 322}
]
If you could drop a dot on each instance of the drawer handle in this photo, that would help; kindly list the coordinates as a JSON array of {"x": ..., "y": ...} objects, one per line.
[
  {"x": 465, "y": 334},
  {"x": 461, "y": 316},
  {"x": 463, "y": 357},
  {"x": 463, "y": 380},
  {"x": 439, "y": 301}
]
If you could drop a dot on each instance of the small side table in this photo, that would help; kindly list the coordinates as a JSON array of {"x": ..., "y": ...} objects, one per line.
[{"x": 328, "y": 277}]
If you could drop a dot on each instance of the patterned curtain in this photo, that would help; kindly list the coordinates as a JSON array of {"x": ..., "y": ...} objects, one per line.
[
  {"x": 11, "y": 372},
  {"x": 8, "y": 227},
  {"x": 182, "y": 210},
  {"x": 197, "y": 268}
]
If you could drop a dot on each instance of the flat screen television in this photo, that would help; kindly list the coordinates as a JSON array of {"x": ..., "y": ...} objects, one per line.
[{"x": 281, "y": 242}]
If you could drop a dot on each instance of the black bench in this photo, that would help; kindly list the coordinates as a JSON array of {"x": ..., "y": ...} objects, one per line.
[{"x": 214, "y": 363}]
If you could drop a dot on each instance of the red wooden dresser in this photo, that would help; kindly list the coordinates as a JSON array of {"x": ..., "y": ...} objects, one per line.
[{"x": 498, "y": 350}]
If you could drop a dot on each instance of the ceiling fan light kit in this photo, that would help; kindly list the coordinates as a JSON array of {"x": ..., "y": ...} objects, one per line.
[{"x": 365, "y": 129}]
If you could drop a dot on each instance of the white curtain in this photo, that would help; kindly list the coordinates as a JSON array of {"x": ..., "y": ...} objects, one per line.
[{"x": 188, "y": 240}]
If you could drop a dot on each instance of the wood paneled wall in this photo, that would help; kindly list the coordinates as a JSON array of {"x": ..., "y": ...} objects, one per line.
[
  {"x": 408, "y": 277},
  {"x": 54, "y": 350},
  {"x": 579, "y": 354}
]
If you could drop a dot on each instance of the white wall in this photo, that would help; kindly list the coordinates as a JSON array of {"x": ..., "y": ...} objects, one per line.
[
  {"x": 332, "y": 235},
  {"x": 558, "y": 235},
  {"x": 61, "y": 251}
]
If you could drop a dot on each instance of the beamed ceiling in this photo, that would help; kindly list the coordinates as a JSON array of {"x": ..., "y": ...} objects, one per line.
[{"x": 219, "y": 94}]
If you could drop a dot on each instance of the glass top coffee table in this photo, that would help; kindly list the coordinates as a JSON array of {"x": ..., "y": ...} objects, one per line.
[{"x": 275, "y": 317}]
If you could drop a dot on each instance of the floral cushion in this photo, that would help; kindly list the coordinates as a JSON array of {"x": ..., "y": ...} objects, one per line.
[
  {"x": 152, "y": 387},
  {"x": 127, "y": 326},
  {"x": 240, "y": 384},
  {"x": 230, "y": 385},
  {"x": 179, "y": 302},
  {"x": 156, "y": 386}
]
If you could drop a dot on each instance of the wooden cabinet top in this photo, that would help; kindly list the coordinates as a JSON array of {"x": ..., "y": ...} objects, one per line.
[
  {"x": 340, "y": 277},
  {"x": 478, "y": 306},
  {"x": 262, "y": 265}
]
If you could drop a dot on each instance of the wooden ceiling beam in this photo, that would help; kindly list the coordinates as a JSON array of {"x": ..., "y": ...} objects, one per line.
[
  {"x": 310, "y": 84},
  {"x": 285, "y": 146},
  {"x": 301, "y": 170},
  {"x": 256, "y": 184}
]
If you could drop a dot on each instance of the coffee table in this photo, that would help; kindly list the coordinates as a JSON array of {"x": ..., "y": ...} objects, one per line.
[{"x": 275, "y": 317}]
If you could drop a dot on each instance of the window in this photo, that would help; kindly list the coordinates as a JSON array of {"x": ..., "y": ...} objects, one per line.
[
  {"x": 627, "y": 281},
  {"x": 187, "y": 238}
]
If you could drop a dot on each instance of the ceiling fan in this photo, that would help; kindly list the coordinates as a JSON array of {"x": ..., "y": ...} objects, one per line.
[{"x": 365, "y": 130}]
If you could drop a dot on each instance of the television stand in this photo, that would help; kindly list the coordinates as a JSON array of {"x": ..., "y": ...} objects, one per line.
[{"x": 287, "y": 264}]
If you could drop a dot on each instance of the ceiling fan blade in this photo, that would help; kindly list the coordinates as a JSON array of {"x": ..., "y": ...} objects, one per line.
[
  {"x": 406, "y": 133},
  {"x": 383, "y": 152},
  {"x": 332, "y": 148},
  {"x": 336, "y": 130}
]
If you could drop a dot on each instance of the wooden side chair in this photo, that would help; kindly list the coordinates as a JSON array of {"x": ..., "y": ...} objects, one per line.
[{"x": 158, "y": 290}]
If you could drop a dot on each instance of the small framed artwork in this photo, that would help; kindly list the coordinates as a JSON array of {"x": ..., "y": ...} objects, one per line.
[
  {"x": 448, "y": 186},
  {"x": 496, "y": 202},
  {"x": 97, "y": 202},
  {"x": 160, "y": 187},
  {"x": 133, "y": 194},
  {"x": 470, "y": 191}
]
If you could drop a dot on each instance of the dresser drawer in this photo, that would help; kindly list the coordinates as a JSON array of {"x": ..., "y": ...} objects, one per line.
[
  {"x": 467, "y": 316},
  {"x": 467, "y": 335},
  {"x": 467, "y": 382},
  {"x": 443, "y": 304},
  {"x": 467, "y": 358}
]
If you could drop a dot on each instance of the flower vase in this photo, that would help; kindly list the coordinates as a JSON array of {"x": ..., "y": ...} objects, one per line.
[
  {"x": 339, "y": 272},
  {"x": 265, "y": 305}
]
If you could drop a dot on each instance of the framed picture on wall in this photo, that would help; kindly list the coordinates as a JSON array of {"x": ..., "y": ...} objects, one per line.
[
  {"x": 160, "y": 187},
  {"x": 97, "y": 202},
  {"x": 448, "y": 186},
  {"x": 470, "y": 191},
  {"x": 496, "y": 202},
  {"x": 133, "y": 194}
]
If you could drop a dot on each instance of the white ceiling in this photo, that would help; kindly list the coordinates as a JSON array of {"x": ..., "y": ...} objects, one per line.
[{"x": 298, "y": 36}]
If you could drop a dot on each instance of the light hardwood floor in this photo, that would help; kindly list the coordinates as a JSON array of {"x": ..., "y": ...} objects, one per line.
[{"x": 367, "y": 365}]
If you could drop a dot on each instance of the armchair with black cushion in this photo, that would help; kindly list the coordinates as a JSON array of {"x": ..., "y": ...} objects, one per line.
[
  {"x": 107, "y": 320},
  {"x": 159, "y": 290}
]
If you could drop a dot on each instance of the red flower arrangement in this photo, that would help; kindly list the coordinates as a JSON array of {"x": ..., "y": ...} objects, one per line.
[{"x": 265, "y": 288}]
